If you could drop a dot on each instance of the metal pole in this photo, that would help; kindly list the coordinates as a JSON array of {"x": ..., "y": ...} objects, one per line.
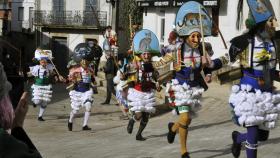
[{"x": 201, "y": 29}]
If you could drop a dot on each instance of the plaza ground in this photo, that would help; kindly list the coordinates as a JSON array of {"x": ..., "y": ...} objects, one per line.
[{"x": 209, "y": 135}]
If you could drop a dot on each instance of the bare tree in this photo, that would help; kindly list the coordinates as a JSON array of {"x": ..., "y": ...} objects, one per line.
[{"x": 128, "y": 8}]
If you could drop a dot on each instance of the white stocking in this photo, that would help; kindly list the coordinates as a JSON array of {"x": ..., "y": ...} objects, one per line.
[
  {"x": 86, "y": 117},
  {"x": 41, "y": 111},
  {"x": 72, "y": 115}
]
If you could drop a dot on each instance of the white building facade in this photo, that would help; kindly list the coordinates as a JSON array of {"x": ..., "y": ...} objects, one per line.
[
  {"x": 159, "y": 17},
  {"x": 22, "y": 15},
  {"x": 62, "y": 24}
]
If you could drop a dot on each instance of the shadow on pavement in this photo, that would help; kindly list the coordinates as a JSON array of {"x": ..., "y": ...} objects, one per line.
[
  {"x": 79, "y": 115},
  {"x": 272, "y": 141},
  {"x": 227, "y": 151},
  {"x": 59, "y": 92},
  {"x": 221, "y": 152},
  {"x": 209, "y": 125},
  {"x": 156, "y": 136}
]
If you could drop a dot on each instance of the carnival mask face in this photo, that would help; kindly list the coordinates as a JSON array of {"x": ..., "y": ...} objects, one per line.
[
  {"x": 270, "y": 26},
  {"x": 43, "y": 62},
  {"x": 193, "y": 39},
  {"x": 84, "y": 63},
  {"x": 146, "y": 57}
]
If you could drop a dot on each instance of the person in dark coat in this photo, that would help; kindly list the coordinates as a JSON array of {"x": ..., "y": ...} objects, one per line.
[
  {"x": 110, "y": 72},
  {"x": 15, "y": 144},
  {"x": 97, "y": 53},
  {"x": 15, "y": 76}
]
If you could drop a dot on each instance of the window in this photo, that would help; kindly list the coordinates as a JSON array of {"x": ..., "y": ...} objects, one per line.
[
  {"x": 20, "y": 13},
  {"x": 31, "y": 13},
  {"x": 58, "y": 5},
  {"x": 31, "y": 17},
  {"x": 162, "y": 28},
  {"x": 89, "y": 4}
]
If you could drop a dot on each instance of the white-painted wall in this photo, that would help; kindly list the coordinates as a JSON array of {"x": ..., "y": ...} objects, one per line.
[
  {"x": 107, "y": 7},
  {"x": 75, "y": 5},
  {"x": 227, "y": 22},
  {"x": 169, "y": 23},
  {"x": 74, "y": 40},
  {"x": 17, "y": 25}
]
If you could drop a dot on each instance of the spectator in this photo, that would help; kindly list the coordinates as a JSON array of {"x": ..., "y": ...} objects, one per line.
[
  {"x": 121, "y": 89},
  {"x": 97, "y": 52},
  {"x": 15, "y": 144},
  {"x": 14, "y": 76},
  {"x": 111, "y": 36},
  {"x": 110, "y": 71}
]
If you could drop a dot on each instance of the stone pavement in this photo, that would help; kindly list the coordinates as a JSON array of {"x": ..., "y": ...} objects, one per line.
[{"x": 209, "y": 135}]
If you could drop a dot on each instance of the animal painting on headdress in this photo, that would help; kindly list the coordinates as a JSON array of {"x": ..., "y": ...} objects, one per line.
[
  {"x": 193, "y": 20},
  {"x": 188, "y": 19},
  {"x": 43, "y": 54},
  {"x": 145, "y": 43},
  {"x": 261, "y": 10},
  {"x": 82, "y": 51}
]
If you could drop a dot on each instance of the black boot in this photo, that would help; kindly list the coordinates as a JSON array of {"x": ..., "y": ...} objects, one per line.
[
  {"x": 130, "y": 125},
  {"x": 34, "y": 105},
  {"x": 140, "y": 137},
  {"x": 186, "y": 155},
  {"x": 40, "y": 118},
  {"x": 236, "y": 147},
  {"x": 171, "y": 135},
  {"x": 70, "y": 126},
  {"x": 86, "y": 128},
  {"x": 140, "y": 130}
]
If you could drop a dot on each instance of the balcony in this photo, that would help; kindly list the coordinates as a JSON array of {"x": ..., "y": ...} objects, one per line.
[{"x": 70, "y": 19}]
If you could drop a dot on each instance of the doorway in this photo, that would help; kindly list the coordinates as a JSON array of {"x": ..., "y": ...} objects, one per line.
[{"x": 61, "y": 54}]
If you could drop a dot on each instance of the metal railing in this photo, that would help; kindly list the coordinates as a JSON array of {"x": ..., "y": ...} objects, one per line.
[{"x": 76, "y": 18}]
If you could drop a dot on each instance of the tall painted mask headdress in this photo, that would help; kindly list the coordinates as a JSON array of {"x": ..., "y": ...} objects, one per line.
[
  {"x": 259, "y": 11},
  {"x": 42, "y": 54},
  {"x": 82, "y": 51},
  {"x": 188, "y": 19}
]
